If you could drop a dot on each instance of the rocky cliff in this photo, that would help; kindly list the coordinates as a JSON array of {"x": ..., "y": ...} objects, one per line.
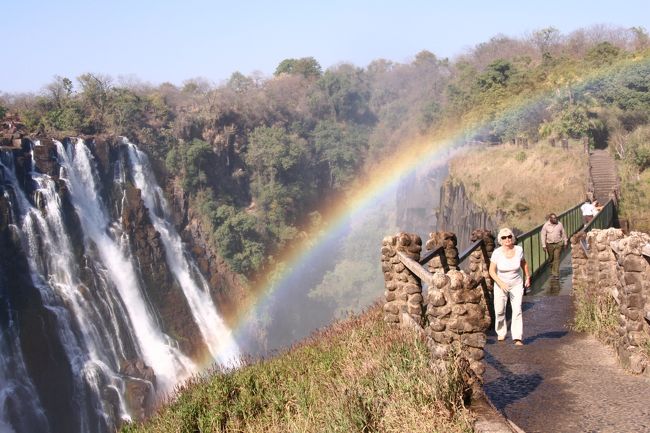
[{"x": 458, "y": 214}]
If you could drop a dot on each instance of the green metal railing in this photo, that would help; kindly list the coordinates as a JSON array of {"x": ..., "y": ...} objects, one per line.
[
  {"x": 604, "y": 218},
  {"x": 571, "y": 219}
]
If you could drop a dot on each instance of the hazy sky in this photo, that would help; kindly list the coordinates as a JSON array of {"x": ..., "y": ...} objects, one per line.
[{"x": 166, "y": 40}]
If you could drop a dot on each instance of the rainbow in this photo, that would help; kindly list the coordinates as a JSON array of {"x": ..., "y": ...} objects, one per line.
[{"x": 298, "y": 259}]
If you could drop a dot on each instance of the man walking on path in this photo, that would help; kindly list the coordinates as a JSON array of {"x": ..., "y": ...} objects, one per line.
[{"x": 554, "y": 238}]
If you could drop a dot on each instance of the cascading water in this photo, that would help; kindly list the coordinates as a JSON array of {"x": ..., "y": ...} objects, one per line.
[
  {"x": 88, "y": 292},
  {"x": 216, "y": 335}
]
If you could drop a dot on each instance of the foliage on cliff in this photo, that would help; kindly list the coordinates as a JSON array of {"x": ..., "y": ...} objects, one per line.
[
  {"x": 357, "y": 376},
  {"x": 264, "y": 155}
]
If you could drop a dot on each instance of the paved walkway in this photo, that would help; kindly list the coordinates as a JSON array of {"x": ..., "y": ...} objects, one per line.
[{"x": 562, "y": 381}]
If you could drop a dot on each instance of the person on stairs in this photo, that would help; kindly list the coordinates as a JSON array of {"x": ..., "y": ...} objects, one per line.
[
  {"x": 554, "y": 239},
  {"x": 506, "y": 265}
]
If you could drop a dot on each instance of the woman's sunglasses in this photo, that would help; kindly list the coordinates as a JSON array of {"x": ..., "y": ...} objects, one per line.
[{"x": 506, "y": 237}]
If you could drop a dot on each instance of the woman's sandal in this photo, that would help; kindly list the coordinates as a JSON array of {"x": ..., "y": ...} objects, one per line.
[
  {"x": 500, "y": 339},
  {"x": 519, "y": 343}
]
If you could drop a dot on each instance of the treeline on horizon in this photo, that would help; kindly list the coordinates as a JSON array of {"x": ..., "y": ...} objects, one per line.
[{"x": 258, "y": 157}]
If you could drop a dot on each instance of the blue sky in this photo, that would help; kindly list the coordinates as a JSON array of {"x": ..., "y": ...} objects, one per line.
[{"x": 173, "y": 41}]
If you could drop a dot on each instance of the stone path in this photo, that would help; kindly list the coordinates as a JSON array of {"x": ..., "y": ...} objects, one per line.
[{"x": 562, "y": 381}]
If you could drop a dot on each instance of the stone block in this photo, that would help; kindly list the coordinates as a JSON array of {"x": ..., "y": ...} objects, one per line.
[
  {"x": 466, "y": 296},
  {"x": 476, "y": 339},
  {"x": 635, "y": 300},
  {"x": 478, "y": 367},
  {"x": 633, "y": 277},
  {"x": 414, "y": 309},
  {"x": 391, "y": 307},
  {"x": 439, "y": 312},
  {"x": 415, "y": 299},
  {"x": 437, "y": 325},
  {"x": 440, "y": 281},
  {"x": 633, "y": 263},
  {"x": 389, "y": 295},
  {"x": 442, "y": 337},
  {"x": 459, "y": 310},
  {"x": 412, "y": 288},
  {"x": 474, "y": 354},
  {"x": 436, "y": 298}
]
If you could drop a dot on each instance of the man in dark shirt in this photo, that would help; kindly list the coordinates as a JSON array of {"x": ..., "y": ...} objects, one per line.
[{"x": 554, "y": 238}]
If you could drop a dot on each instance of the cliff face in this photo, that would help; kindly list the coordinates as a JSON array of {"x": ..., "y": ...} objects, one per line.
[{"x": 458, "y": 214}]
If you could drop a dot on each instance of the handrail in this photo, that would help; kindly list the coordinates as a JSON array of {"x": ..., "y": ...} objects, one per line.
[
  {"x": 604, "y": 218},
  {"x": 470, "y": 250},
  {"x": 531, "y": 241},
  {"x": 437, "y": 251}
]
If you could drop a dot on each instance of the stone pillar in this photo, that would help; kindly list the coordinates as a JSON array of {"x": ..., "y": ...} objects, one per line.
[
  {"x": 457, "y": 317},
  {"x": 565, "y": 143},
  {"x": 449, "y": 242},
  {"x": 478, "y": 267},
  {"x": 579, "y": 259},
  {"x": 403, "y": 289},
  {"x": 634, "y": 301}
]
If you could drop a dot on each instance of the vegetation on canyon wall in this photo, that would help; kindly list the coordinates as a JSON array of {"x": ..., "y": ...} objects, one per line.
[{"x": 260, "y": 157}]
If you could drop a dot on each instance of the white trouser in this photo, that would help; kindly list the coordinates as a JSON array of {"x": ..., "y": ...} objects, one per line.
[{"x": 500, "y": 301}]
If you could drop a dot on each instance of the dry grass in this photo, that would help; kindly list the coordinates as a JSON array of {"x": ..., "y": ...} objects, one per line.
[
  {"x": 596, "y": 314},
  {"x": 357, "y": 376},
  {"x": 525, "y": 184},
  {"x": 635, "y": 196}
]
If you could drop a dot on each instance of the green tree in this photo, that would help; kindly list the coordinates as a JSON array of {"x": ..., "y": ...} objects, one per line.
[
  {"x": 339, "y": 147},
  {"x": 308, "y": 67},
  {"x": 605, "y": 53}
]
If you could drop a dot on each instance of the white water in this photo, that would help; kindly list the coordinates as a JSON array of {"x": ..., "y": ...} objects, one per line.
[
  {"x": 94, "y": 294},
  {"x": 216, "y": 335},
  {"x": 36, "y": 234},
  {"x": 158, "y": 350}
]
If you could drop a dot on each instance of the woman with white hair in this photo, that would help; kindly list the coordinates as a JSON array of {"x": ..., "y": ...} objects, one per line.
[{"x": 506, "y": 265}]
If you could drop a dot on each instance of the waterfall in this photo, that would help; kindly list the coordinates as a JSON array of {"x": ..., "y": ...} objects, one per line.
[
  {"x": 216, "y": 335},
  {"x": 100, "y": 233},
  {"x": 81, "y": 300}
]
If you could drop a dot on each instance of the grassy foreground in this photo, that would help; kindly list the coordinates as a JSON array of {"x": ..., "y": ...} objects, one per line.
[
  {"x": 527, "y": 184},
  {"x": 358, "y": 375}
]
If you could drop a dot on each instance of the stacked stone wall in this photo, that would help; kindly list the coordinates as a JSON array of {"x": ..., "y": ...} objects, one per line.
[
  {"x": 456, "y": 316},
  {"x": 478, "y": 267},
  {"x": 403, "y": 289},
  {"x": 614, "y": 266},
  {"x": 450, "y": 244}
]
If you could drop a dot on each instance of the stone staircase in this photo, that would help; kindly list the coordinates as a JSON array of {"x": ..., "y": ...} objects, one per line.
[{"x": 604, "y": 179}]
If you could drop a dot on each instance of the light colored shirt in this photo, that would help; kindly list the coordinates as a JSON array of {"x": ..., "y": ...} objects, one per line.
[
  {"x": 588, "y": 209},
  {"x": 553, "y": 233},
  {"x": 508, "y": 269}
]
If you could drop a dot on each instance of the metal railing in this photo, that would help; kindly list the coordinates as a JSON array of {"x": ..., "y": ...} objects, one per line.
[
  {"x": 531, "y": 241},
  {"x": 603, "y": 219}
]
